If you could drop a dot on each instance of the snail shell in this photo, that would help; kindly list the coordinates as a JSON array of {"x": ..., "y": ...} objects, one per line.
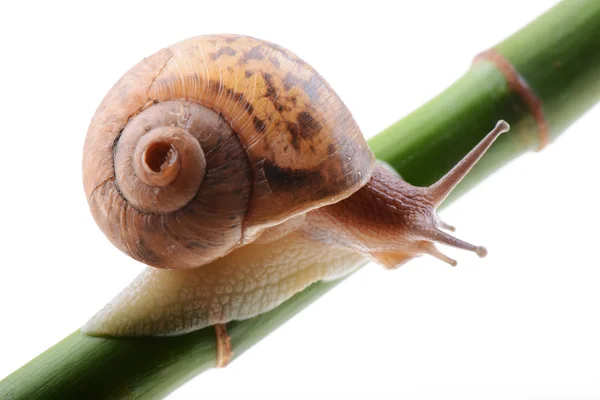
[{"x": 203, "y": 145}]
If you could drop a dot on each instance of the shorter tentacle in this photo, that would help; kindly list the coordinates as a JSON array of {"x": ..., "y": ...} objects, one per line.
[
  {"x": 429, "y": 248},
  {"x": 443, "y": 224}
]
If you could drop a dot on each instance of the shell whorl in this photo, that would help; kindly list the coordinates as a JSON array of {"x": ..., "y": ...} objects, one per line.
[
  {"x": 181, "y": 186},
  {"x": 205, "y": 143},
  {"x": 159, "y": 161}
]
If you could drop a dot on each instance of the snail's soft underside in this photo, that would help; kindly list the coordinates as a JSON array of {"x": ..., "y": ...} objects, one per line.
[
  {"x": 247, "y": 282},
  {"x": 234, "y": 170}
]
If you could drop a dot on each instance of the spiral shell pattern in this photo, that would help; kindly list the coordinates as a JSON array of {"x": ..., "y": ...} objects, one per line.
[{"x": 204, "y": 144}]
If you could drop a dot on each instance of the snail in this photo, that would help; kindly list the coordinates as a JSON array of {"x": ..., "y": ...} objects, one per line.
[{"x": 232, "y": 167}]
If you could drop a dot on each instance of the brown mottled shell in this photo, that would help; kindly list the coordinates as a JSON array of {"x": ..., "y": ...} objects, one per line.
[{"x": 247, "y": 135}]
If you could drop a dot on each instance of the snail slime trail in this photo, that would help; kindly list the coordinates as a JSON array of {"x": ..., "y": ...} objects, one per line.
[{"x": 230, "y": 167}]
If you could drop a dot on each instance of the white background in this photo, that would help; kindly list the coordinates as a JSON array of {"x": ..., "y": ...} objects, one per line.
[{"x": 521, "y": 323}]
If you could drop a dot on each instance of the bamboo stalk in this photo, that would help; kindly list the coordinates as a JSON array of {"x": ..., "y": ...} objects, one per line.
[{"x": 557, "y": 55}]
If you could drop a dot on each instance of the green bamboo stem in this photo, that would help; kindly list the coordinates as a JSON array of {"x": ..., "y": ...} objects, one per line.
[{"x": 557, "y": 55}]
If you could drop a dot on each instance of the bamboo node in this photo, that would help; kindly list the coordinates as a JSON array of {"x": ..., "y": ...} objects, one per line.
[{"x": 518, "y": 84}]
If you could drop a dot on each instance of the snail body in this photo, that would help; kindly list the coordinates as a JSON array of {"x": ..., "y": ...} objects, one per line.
[{"x": 233, "y": 161}]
